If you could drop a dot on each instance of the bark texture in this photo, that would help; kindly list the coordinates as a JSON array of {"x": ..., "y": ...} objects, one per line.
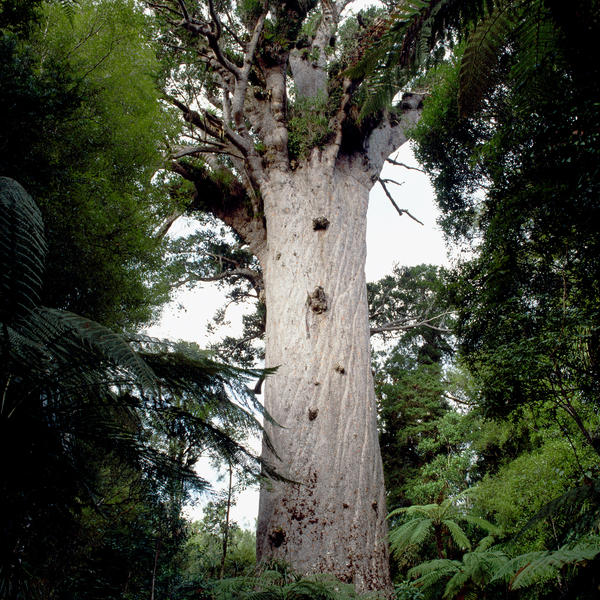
[
  {"x": 333, "y": 519},
  {"x": 300, "y": 205}
]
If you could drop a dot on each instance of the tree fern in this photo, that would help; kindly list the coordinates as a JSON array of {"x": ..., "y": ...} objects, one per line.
[
  {"x": 434, "y": 519},
  {"x": 269, "y": 585},
  {"x": 73, "y": 386},
  {"x": 537, "y": 567},
  {"x": 469, "y": 576},
  {"x": 22, "y": 251},
  {"x": 415, "y": 30},
  {"x": 482, "y": 55}
]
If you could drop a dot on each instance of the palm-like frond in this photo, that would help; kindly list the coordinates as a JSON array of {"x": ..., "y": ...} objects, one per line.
[
  {"x": 458, "y": 535},
  {"x": 482, "y": 55},
  {"x": 536, "y": 567},
  {"x": 412, "y": 533},
  {"x": 580, "y": 505},
  {"x": 482, "y": 524},
  {"x": 22, "y": 251},
  {"x": 89, "y": 383},
  {"x": 408, "y": 44},
  {"x": 475, "y": 571},
  {"x": 432, "y": 572}
]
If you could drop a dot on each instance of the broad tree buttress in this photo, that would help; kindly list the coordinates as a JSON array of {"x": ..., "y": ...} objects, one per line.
[{"x": 276, "y": 151}]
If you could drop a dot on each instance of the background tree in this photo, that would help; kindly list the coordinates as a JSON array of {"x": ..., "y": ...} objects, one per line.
[
  {"x": 83, "y": 131},
  {"x": 408, "y": 311}
]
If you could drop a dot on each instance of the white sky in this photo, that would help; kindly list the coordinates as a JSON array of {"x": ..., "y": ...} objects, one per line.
[{"x": 391, "y": 239}]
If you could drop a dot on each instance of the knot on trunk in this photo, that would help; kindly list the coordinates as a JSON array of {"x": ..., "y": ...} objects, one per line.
[
  {"x": 318, "y": 300},
  {"x": 320, "y": 223}
]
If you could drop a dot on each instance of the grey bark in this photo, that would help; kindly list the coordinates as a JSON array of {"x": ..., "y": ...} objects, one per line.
[
  {"x": 333, "y": 519},
  {"x": 306, "y": 222}
]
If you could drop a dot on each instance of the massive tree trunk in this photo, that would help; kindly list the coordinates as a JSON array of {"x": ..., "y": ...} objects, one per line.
[
  {"x": 290, "y": 172},
  {"x": 333, "y": 519}
]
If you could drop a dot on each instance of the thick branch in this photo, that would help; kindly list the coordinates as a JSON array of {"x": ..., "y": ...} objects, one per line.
[
  {"x": 227, "y": 199},
  {"x": 404, "y": 326},
  {"x": 392, "y": 132}
]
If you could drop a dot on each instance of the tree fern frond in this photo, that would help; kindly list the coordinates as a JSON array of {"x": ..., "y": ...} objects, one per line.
[
  {"x": 432, "y": 572},
  {"x": 456, "y": 583},
  {"x": 457, "y": 534},
  {"x": 548, "y": 564},
  {"x": 424, "y": 510},
  {"x": 409, "y": 534},
  {"x": 536, "y": 37},
  {"x": 574, "y": 502},
  {"x": 482, "y": 524},
  {"x": 22, "y": 251},
  {"x": 479, "y": 64},
  {"x": 441, "y": 565},
  {"x": 535, "y": 567}
]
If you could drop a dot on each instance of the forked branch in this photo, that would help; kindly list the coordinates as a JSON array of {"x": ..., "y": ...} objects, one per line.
[{"x": 401, "y": 211}]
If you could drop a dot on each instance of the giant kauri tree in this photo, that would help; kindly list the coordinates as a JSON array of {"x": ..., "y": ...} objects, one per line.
[{"x": 277, "y": 149}]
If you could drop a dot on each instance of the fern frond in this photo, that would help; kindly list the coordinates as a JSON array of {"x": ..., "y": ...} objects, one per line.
[
  {"x": 409, "y": 534},
  {"x": 432, "y": 572},
  {"x": 536, "y": 38},
  {"x": 536, "y": 567},
  {"x": 482, "y": 524},
  {"x": 424, "y": 510},
  {"x": 441, "y": 565},
  {"x": 479, "y": 64},
  {"x": 22, "y": 251},
  {"x": 579, "y": 503},
  {"x": 456, "y": 583},
  {"x": 547, "y": 565},
  {"x": 458, "y": 535}
]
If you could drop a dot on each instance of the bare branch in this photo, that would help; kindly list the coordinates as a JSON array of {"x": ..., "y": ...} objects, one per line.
[
  {"x": 401, "y": 211},
  {"x": 398, "y": 183},
  {"x": 400, "y": 164},
  {"x": 397, "y": 326},
  {"x": 249, "y": 274}
]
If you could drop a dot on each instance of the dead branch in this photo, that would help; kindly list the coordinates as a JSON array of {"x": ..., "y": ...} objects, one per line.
[
  {"x": 401, "y": 211},
  {"x": 400, "y": 164}
]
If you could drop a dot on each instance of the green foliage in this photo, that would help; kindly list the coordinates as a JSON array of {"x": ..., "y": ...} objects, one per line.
[
  {"x": 437, "y": 520},
  {"x": 203, "y": 550},
  {"x": 464, "y": 579},
  {"x": 519, "y": 489},
  {"x": 82, "y": 131},
  {"x": 308, "y": 126},
  {"x": 281, "y": 583},
  {"x": 517, "y": 181},
  {"x": 21, "y": 249},
  {"x": 410, "y": 310},
  {"x": 538, "y": 567},
  {"x": 94, "y": 422}
]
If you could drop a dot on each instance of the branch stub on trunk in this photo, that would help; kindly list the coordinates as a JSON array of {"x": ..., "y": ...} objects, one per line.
[
  {"x": 320, "y": 223},
  {"x": 318, "y": 300}
]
